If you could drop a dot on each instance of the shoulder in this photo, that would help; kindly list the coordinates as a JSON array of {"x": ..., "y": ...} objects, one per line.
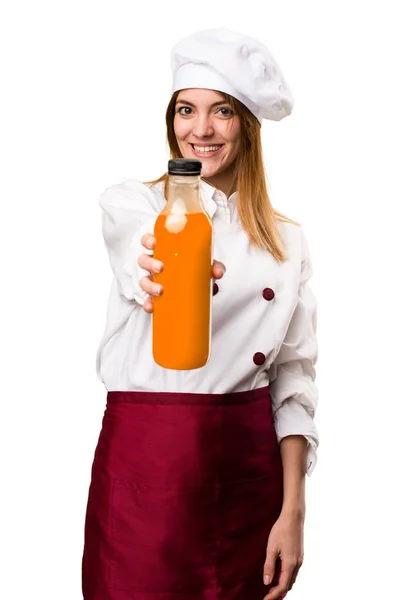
[
  {"x": 293, "y": 235},
  {"x": 296, "y": 243},
  {"x": 132, "y": 192}
]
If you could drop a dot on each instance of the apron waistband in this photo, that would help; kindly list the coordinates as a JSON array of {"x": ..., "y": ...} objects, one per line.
[{"x": 142, "y": 397}]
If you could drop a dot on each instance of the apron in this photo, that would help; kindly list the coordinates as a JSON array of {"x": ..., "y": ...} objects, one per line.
[{"x": 184, "y": 491}]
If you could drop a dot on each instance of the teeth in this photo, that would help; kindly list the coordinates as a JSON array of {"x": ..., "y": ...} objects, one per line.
[{"x": 206, "y": 148}]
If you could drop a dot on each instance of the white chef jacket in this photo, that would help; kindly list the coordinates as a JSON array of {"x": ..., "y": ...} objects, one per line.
[{"x": 263, "y": 307}]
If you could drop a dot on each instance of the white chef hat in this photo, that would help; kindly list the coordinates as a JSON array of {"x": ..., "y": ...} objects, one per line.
[{"x": 238, "y": 65}]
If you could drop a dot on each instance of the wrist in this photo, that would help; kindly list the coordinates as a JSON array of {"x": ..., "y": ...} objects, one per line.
[
  {"x": 294, "y": 497},
  {"x": 295, "y": 512}
]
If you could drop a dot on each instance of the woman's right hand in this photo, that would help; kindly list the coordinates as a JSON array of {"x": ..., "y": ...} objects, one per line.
[{"x": 155, "y": 266}]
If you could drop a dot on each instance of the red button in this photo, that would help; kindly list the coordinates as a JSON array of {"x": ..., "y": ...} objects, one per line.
[
  {"x": 259, "y": 358},
  {"x": 215, "y": 289},
  {"x": 268, "y": 294}
]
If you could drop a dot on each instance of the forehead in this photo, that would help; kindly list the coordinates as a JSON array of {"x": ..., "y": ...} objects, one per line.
[{"x": 200, "y": 96}]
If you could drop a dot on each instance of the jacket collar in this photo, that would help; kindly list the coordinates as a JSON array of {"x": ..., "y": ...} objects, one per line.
[
  {"x": 212, "y": 197},
  {"x": 207, "y": 193}
]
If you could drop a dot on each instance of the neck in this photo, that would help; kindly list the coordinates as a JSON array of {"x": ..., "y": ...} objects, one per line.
[{"x": 223, "y": 181}]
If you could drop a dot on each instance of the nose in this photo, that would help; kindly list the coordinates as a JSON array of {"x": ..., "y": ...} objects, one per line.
[{"x": 203, "y": 127}]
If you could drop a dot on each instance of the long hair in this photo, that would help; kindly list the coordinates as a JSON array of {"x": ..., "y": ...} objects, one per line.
[{"x": 257, "y": 216}]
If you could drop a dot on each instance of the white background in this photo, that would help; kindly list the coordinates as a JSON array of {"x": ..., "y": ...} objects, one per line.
[{"x": 84, "y": 89}]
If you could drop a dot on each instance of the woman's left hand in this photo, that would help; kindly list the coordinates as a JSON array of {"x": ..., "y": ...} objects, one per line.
[{"x": 286, "y": 541}]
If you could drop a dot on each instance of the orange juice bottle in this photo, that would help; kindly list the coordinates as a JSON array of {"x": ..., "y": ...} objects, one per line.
[{"x": 182, "y": 314}]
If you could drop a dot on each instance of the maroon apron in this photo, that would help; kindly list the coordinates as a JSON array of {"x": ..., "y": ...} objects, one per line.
[{"x": 184, "y": 491}]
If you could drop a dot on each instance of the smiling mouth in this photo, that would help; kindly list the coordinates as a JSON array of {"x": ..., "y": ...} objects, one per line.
[{"x": 206, "y": 150}]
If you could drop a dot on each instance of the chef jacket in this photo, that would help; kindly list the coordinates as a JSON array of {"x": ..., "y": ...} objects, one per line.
[{"x": 263, "y": 312}]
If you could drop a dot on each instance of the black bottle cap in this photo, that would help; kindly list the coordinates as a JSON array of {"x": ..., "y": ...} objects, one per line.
[{"x": 184, "y": 166}]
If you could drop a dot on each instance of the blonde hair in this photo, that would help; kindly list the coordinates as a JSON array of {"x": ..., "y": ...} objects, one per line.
[{"x": 257, "y": 216}]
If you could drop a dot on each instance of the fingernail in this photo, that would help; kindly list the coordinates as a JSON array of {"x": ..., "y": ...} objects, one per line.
[
  {"x": 267, "y": 579},
  {"x": 157, "y": 290},
  {"x": 158, "y": 268}
]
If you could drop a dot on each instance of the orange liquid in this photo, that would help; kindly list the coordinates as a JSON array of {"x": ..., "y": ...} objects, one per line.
[{"x": 181, "y": 317}]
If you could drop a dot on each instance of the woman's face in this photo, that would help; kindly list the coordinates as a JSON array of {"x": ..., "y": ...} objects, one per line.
[{"x": 207, "y": 129}]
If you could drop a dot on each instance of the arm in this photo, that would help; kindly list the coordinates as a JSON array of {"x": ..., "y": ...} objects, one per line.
[
  {"x": 292, "y": 374},
  {"x": 286, "y": 536},
  {"x": 294, "y": 452},
  {"x": 294, "y": 400},
  {"x": 129, "y": 210}
]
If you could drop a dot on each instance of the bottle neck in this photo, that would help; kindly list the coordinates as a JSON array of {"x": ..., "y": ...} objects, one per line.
[{"x": 184, "y": 194}]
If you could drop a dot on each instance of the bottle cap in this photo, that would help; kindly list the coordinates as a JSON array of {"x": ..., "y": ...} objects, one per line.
[{"x": 184, "y": 166}]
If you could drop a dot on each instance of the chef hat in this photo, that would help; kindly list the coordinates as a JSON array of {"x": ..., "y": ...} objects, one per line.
[{"x": 238, "y": 65}]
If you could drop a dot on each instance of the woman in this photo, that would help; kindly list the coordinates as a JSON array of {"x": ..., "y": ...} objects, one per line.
[{"x": 197, "y": 488}]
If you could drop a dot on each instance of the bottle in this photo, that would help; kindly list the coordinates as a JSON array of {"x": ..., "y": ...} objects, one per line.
[{"x": 181, "y": 319}]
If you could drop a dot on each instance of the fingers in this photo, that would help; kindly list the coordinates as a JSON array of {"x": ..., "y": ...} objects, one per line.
[
  {"x": 295, "y": 573},
  {"x": 148, "y": 305},
  {"x": 280, "y": 590},
  {"x": 150, "y": 264},
  {"x": 151, "y": 288},
  {"x": 218, "y": 269},
  {"x": 148, "y": 241},
  {"x": 269, "y": 566}
]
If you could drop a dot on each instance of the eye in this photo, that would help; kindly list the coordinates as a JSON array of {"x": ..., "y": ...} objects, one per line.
[
  {"x": 226, "y": 111},
  {"x": 184, "y": 110}
]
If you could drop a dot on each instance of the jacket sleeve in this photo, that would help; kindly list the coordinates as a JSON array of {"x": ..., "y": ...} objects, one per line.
[
  {"x": 129, "y": 210},
  {"x": 292, "y": 374}
]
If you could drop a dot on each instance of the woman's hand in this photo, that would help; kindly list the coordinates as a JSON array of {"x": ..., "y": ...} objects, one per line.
[
  {"x": 286, "y": 541},
  {"x": 155, "y": 266}
]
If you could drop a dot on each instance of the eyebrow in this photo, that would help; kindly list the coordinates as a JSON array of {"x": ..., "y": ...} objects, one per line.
[{"x": 212, "y": 105}]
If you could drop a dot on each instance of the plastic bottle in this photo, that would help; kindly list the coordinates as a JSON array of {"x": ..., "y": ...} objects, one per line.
[{"x": 181, "y": 321}]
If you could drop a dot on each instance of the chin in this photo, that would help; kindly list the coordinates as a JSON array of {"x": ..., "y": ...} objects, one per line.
[{"x": 209, "y": 171}]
